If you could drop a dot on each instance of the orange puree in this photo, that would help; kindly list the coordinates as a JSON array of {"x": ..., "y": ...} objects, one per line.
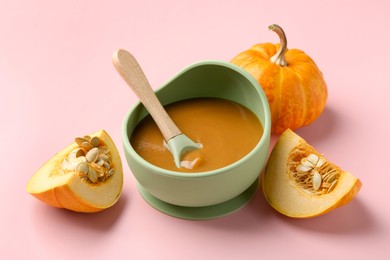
[{"x": 226, "y": 130}]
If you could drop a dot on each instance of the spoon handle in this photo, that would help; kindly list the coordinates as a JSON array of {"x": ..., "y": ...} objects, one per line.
[{"x": 129, "y": 69}]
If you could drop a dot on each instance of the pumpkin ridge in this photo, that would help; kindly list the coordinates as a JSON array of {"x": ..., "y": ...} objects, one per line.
[
  {"x": 305, "y": 101},
  {"x": 285, "y": 95},
  {"x": 56, "y": 194},
  {"x": 308, "y": 72},
  {"x": 278, "y": 93},
  {"x": 253, "y": 61},
  {"x": 318, "y": 89},
  {"x": 243, "y": 59},
  {"x": 264, "y": 50}
]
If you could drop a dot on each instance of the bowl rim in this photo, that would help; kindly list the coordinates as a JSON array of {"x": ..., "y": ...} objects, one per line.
[{"x": 264, "y": 138}]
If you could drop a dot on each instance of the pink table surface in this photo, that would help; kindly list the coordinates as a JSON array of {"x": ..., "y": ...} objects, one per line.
[{"x": 57, "y": 82}]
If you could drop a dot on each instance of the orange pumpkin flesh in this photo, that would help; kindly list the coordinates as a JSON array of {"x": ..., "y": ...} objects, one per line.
[
  {"x": 296, "y": 197},
  {"x": 67, "y": 190},
  {"x": 294, "y": 85}
]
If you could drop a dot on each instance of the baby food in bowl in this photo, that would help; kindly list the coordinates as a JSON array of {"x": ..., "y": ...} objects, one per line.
[
  {"x": 220, "y": 106},
  {"x": 226, "y": 131}
]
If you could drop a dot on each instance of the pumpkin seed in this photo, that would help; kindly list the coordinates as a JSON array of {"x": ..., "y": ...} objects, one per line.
[
  {"x": 303, "y": 168},
  {"x": 104, "y": 157},
  {"x": 333, "y": 185},
  {"x": 331, "y": 178},
  {"x": 92, "y": 175},
  {"x": 87, "y": 137},
  {"x": 82, "y": 167},
  {"x": 317, "y": 180},
  {"x": 80, "y": 140},
  {"x": 86, "y": 145},
  {"x": 103, "y": 150},
  {"x": 78, "y": 152},
  {"x": 95, "y": 141},
  {"x": 99, "y": 162},
  {"x": 111, "y": 172},
  {"x": 106, "y": 165},
  {"x": 92, "y": 155}
]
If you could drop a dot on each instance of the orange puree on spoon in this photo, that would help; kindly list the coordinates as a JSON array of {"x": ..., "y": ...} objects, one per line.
[{"x": 226, "y": 130}]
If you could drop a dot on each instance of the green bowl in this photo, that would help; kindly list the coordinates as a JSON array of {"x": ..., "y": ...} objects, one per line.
[{"x": 214, "y": 193}]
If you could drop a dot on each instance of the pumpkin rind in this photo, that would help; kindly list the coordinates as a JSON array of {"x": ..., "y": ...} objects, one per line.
[
  {"x": 287, "y": 198},
  {"x": 70, "y": 191},
  {"x": 296, "y": 93}
]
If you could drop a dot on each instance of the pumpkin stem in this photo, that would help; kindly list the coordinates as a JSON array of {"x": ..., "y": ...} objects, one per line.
[{"x": 279, "y": 58}]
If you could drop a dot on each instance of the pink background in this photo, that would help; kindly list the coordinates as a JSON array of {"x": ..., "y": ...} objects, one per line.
[{"x": 57, "y": 82}]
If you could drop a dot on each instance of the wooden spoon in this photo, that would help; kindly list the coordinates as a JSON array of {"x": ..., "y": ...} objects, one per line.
[{"x": 129, "y": 69}]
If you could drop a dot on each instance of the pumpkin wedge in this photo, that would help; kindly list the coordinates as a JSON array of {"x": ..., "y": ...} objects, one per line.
[
  {"x": 86, "y": 176},
  {"x": 299, "y": 182}
]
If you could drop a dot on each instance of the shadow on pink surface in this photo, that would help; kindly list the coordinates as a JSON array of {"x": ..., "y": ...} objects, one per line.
[
  {"x": 322, "y": 128},
  {"x": 254, "y": 217},
  {"x": 353, "y": 218},
  {"x": 258, "y": 216},
  {"x": 318, "y": 131},
  {"x": 100, "y": 221}
]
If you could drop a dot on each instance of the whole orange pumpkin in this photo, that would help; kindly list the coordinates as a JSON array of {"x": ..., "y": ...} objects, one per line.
[{"x": 294, "y": 85}]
